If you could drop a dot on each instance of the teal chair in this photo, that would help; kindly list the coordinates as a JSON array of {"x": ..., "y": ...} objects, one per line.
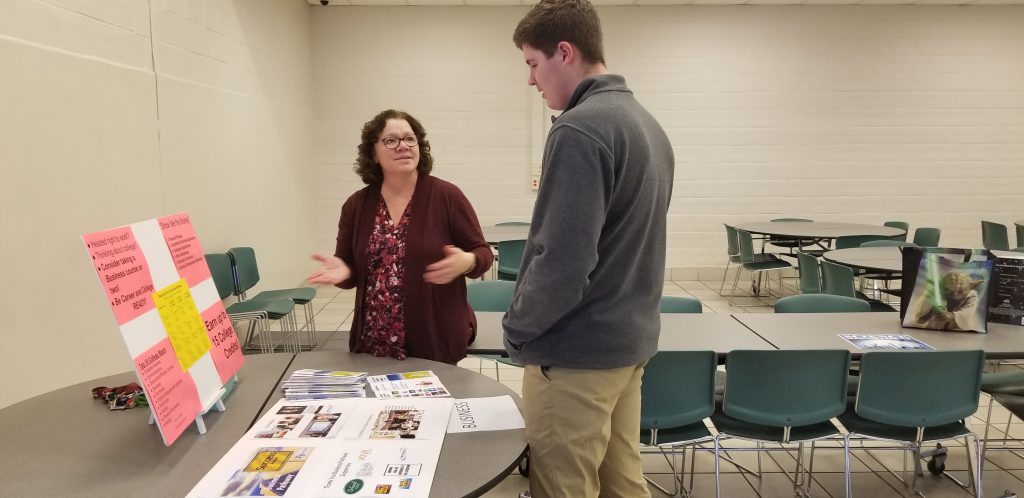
[
  {"x": 821, "y": 303},
  {"x": 902, "y": 225},
  {"x": 916, "y": 399},
  {"x": 756, "y": 265},
  {"x": 258, "y": 313},
  {"x": 783, "y": 397},
  {"x": 1020, "y": 234},
  {"x": 247, "y": 275},
  {"x": 510, "y": 256},
  {"x": 887, "y": 243},
  {"x": 848, "y": 241},
  {"x": 927, "y": 237},
  {"x": 733, "y": 249},
  {"x": 810, "y": 273},
  {"x": 492, "y": 295},
  {"x": 677, "y": 393},
  {"x": 995, "y": 236},
  {"x": 838, "y": 280},
  {"x": 680, "y": 304}
]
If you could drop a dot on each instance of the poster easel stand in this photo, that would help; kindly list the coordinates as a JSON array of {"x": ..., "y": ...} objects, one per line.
[{"x": 216, "y": 403}]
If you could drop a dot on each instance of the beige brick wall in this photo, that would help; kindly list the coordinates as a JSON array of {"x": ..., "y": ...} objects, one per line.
[
  {"x": 836, "y": 113},
  {"x": 82, "y": 149}
]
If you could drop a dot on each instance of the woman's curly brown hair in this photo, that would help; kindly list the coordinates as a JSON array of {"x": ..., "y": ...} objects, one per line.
[{"x": 367, "y": 168}]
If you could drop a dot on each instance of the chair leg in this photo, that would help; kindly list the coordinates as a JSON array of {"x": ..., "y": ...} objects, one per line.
[
  {"x": 735, "y": 283},
  {"x": 724, "y": 276},
  {"x": 718, "y": 475}
]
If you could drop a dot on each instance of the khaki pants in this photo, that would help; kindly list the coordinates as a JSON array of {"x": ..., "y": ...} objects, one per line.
[{"x": 583, "y": 427}]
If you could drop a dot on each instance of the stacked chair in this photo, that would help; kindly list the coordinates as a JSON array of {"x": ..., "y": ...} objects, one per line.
[
  {"x": 260, "y": 313},
  {"x": 247, "y": 275}
]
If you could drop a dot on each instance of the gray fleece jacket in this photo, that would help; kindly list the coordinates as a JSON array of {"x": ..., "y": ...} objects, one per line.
[{"x": 590, "y": 283}]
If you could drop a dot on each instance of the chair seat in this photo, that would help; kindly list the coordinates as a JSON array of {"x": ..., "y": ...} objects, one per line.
[
  {"x": 504, "y": 360},
  {"x": 275, "y": 309},
  {"x": 1014, "y": 403},
  {"x": 301, "y": 295},
  {"x": 1003, "y": 383},
  {"x": 875, "y": 304},
  {"x": 686, "y": 433},
  {"x": 767, "y": 264},
  {"x": 736, "y": 427},
  {"x": 856, "y": 424}
]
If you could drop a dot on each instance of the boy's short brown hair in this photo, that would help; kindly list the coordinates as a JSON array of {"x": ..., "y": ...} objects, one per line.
[{"x": 553, "y": 21}]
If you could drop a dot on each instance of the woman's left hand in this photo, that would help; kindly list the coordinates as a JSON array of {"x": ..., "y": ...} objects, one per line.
[{"x": 455, "y": 263}]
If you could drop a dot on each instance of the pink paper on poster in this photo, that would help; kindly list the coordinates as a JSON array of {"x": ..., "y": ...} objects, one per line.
[
  {"x": 227, "y": 351},
  {"x": 171, "y": 392},
  {"x": 123, "y": 272},
  {"x": 184, "y": 247}
]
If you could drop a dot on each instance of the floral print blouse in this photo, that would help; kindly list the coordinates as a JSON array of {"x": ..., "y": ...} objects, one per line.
[{"x": 383, "y": 331}]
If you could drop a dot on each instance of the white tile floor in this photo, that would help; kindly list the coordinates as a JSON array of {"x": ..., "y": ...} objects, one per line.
[{"x": 1003, "y": 470}]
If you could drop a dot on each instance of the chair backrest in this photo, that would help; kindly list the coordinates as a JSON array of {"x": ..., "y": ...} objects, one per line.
[
  {"x": 919, "y": 388},
  {"x": 1020, "y": 234},
  {"x": 886, "y": 243},
  {"x": 785, "y": 388},
  {"x": 510, "y": 256},
  {"x": 730, "y": 237},
  {"x": 821, "y": 303},
  {"x": 927, "y": 237},
  {"x": 220, "y": 269},
  {"x": 837, "y": 280},
  {"x": 901, "y": 225},
  {"x": 848, "y": 241},
  {"x": 678, "y": 388},
  {"x": 247, "y": 274},
  {"x": 994, "y": 236},
  {"x": 746, "y": 245},
  {"x": 490, "y": 295},
  {"x": 680, "y": 304},
  {"x": 810, "y": 273}
]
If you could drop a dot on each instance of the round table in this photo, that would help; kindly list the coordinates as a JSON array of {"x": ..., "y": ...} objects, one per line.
[
  {"x": 886, "y": 259},
  {"x": 64, "y": 443},
  {"x": 817, "y": 229},
  {"x": 495, "y": 234}
]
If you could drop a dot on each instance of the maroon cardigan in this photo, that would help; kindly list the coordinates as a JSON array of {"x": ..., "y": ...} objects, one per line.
[{"x": 439, "y": 324}]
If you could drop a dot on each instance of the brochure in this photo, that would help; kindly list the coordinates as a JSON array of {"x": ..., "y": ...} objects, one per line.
[
  {"x": 885, "y": 341},
  {"x": 417, "y": 384},
  {"x": 345, "y": 447}
]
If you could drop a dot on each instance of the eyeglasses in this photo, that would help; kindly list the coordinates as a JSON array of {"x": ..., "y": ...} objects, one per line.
[{"x": 392, "y": 142}]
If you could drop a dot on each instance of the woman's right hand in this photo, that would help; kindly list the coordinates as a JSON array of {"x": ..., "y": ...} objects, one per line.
[{"x": 332, "y": 271}]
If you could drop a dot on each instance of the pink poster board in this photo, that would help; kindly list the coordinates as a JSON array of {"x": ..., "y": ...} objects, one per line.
[
  {"x": 227, "y": 351},
  {"x": 163, "y": 258},
  {"x": 123, "y": 272},
  {"x": 170, "y": 390},
  {"x": 185, "y": 249}
]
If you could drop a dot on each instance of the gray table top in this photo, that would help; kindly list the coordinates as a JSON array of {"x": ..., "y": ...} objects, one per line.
[
  {"x": 64, "y": 443},
  {"x": 679, "y": 332},
  {"x": 817, "y": 229},
  {"x": 470, "y": 463},
  {"x": 495, "y": 234},
  {"x": 880, "y": 259},
  {"x": 820, "y": 331}
]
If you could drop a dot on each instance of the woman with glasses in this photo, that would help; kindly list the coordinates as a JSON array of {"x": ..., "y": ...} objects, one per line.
[{"x": 405, "y": 242}]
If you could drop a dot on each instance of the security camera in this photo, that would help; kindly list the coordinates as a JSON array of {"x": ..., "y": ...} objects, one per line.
[{"x": 325, "y": 2}]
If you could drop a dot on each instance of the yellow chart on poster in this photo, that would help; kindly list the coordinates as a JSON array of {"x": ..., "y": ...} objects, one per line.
[{"x": 181, "y": 319}]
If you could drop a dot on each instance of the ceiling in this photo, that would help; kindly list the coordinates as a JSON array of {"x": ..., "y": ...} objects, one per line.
[{"x": 485, "y": 3}]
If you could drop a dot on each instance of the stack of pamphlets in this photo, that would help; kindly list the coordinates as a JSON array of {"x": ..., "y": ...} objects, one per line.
[{"x": 308, "y": 384}]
